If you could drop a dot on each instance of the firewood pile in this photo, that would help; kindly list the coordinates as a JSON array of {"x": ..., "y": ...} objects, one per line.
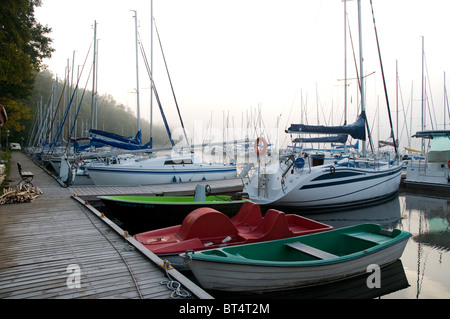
[{"x": 22, "y": 193}]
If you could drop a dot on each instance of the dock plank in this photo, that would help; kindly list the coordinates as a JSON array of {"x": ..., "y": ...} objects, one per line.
[{"x": 38, "y": 240}]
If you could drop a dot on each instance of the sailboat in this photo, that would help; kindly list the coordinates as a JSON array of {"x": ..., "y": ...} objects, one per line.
[
  {"x": 175, "y": 167},
  {"x": 299, "y": 181}
]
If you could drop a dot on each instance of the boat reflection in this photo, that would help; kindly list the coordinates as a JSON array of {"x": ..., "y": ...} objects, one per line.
[
  {"x": 387, "y": 214},
  {"x": 434, "y": 220}
]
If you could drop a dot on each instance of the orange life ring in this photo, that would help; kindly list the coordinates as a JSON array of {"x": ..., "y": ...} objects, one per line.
[{"x": 257, "y": 149}]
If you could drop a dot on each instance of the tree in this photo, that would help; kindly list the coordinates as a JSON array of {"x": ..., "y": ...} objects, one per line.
[{"x": 23, "y": 46}]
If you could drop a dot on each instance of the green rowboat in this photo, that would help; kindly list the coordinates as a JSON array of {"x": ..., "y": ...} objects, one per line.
[
  {"x": 152, "y": 212},
  {"x": 298, "y": 261}
]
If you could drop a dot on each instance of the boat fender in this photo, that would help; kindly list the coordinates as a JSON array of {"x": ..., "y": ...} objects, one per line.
[
  {"x": 208, "y": 190},
  {"x": 264, "y": 148},
  {"x": 332, "y": 169},
  {"x": 448, "y": 163}
]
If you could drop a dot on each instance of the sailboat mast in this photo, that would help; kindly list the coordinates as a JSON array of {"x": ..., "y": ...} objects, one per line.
[
  {"x": 423, "y": 92},
  {"x": 361, "y": 72},
  {"x": 345, "y": 68},
  {"x": 137, "y": 72},
  {"x": 93, "y": 112},
  {"x": 151, "y": 69}
]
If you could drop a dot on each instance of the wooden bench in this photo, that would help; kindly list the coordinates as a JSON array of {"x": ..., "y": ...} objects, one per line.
[
  {"x": 370, "y": 237},
  {"x": 26, "y": 177},
  {"x": 311, "y": 251}
]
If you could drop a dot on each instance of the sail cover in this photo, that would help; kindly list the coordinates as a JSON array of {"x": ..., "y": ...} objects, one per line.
[
  {"x": 356, "y": 130},
  {"x": 323, "y": 139},
  {"x": 133, "y": 140},
  {"x": 122, "y": 145}
]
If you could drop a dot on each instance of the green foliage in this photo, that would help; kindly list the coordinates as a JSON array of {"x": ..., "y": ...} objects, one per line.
[{"x": 23, "y": 46}]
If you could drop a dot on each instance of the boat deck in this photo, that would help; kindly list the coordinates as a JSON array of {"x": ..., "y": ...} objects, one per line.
[{"x": 41, "y": 239}]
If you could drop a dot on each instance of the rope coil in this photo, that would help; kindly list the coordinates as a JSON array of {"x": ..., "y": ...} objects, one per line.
[{"x": 175, "y": 286}]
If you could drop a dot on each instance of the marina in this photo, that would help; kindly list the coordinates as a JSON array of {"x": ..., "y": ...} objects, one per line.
[
  {"x": 42, "y": 238},
  {"x": 102, "y": 202}
]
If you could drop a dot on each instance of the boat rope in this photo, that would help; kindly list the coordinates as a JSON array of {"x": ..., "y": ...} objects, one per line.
[
  {"x": 175, "y": 286},
  {"x": 120, "y": 254},
  {"x": 155, "y": 92},
  {"x": 170, "y": 82},
  {"x": 384, "y": 82}
]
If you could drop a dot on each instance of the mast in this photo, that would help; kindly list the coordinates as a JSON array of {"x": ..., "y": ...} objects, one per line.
[
  {"x": 151, "y": 69},
  {"x": 396, "y": 92},
  {"x": 345, "y": 68},
  {"x": 445, "y": 102},
  {"x": 137, "y": 72},
  {"x": 361, "y": 71},
  {"x": 93, "y": 112},
  {"x": 423, "y": 93}
]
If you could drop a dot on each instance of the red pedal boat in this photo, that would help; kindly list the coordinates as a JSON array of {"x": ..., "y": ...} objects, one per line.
[{"x": 206, "y": 228}]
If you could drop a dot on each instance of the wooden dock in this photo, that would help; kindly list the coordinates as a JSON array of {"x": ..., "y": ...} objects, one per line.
[
  {"x": 90, "y": 192},
  {"x": 55, "y": 247}
]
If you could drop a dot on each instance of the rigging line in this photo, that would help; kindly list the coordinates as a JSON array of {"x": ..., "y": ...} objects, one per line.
[
  {"x": 56, "y": 112},
  {"x": 384, "y": 80},
  {"x": 405, "y": 126},
  {"x": 170, "y": 81},
  {"x": 81, "y": 100},
  {"x": 354, "y": 56},
  {"x": 59, "y": 133},
  {"x": 166, "y": 124},
  {"x": 59, "y": 102},
  {"x": 431, "y": 96}
]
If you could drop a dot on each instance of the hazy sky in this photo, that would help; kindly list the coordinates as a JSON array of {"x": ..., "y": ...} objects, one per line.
[{"x": 239, "y": 56}]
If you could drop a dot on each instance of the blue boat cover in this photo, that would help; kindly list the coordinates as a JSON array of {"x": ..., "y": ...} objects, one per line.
[
  {"x": 134, "y": 140},
  {"x": 324, "y": 139},
  {"x": 356, "y": 130}
]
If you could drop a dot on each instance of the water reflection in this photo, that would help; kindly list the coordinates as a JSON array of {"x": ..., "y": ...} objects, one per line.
[
  {"x": 427, "y": 255},
  {"x": 387, "y": 214}
]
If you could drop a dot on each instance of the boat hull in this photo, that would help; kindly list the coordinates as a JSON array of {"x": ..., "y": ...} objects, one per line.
[
  {"x": 141, "y": 213},
  {"x": 160, "y": 170},
  {"x": 327, "y": 187},
  {"x": 253, "y": 275}
]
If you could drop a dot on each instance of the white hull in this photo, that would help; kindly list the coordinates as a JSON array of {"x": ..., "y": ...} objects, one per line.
[
  {"x": 428, "y": 174},
  {"x": 161, "y": 170},
  {"x": 325, "y": 186},
  {"x": 251, "y": 278}
]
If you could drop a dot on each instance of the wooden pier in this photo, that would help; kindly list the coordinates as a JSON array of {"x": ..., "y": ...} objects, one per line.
[{"x": 56, "y": 248}]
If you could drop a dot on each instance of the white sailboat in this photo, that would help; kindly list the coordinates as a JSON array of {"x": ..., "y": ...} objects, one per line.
[
  {"x": 161, "y": 170},
  {"x": 176, "y": 167},
  {"x": 301, "y": 182}
]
